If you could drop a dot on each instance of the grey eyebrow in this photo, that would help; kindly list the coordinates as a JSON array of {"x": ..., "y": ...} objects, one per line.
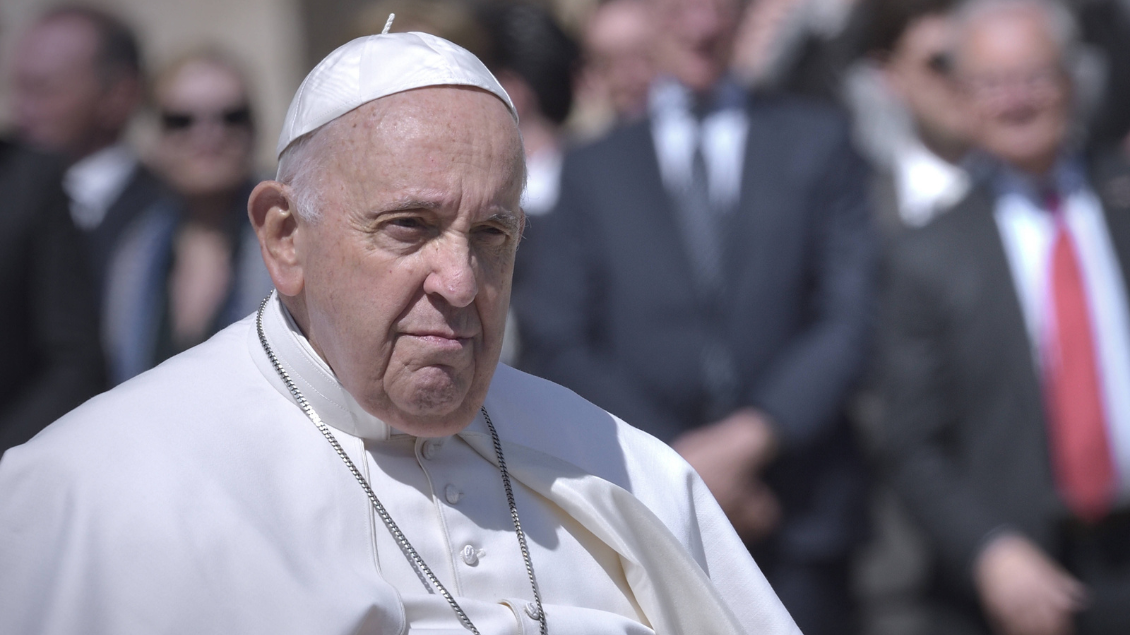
[
  {"x": 413, "y": 203},
  {"x": 510, "y": 219}
]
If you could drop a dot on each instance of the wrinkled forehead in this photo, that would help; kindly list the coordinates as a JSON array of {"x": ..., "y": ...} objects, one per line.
[{"x": 454, "y": 131}]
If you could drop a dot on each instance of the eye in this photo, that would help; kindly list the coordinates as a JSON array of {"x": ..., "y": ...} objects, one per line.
[
  {"x": 408, "y": 228},
  {"x": 492, "y": 235},
  {"x": 407, "y": 222}
]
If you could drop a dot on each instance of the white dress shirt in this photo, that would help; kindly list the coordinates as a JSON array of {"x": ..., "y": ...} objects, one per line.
[
  {"x": 197, "y": 498},
  {"x": 1028, "y": 232},
  {"x": 96, "y": 181},
  {"x": 925, "y": 183},
  {"x": 543, "y": 182},
  {"x": 722, "y": 135}
]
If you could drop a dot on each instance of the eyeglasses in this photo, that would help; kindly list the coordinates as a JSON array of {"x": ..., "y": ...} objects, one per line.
[
  {"x": 1036, "y": 82},
  {"x": 238, "y": 117}
]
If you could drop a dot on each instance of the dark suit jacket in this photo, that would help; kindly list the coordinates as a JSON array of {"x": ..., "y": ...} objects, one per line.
[
  {"x": 965, "y": 428},
  {"x": 141, "y": 192},
  {"x": 607, "y": 305},
  {"x": 50, "y": 360}
]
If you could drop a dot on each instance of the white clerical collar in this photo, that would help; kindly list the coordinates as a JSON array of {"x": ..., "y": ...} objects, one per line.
[
  {"x": 314, "y": 378},
  {"x": 95, "y": 182}
]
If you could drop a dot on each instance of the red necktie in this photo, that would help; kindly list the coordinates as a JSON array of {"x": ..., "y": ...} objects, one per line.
[{"x": 1084, "y": 470}]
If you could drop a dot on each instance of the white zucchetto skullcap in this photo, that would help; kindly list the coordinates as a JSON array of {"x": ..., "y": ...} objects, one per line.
[{"x": 377, "y": 66}]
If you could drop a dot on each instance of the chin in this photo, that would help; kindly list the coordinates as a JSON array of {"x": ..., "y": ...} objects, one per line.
[
  {"x": 437, "y": 422},
  {"x": 435, "y": 404}
]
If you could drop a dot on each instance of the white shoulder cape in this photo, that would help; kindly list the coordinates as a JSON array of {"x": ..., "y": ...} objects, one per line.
[{"x": 197, "y": 498}]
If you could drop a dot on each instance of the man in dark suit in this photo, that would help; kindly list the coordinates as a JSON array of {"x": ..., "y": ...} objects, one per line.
[
  {"x": 707, "y": 277},
  {"x": 1007, "y": 354},
  {"x": 50, "y": 361},
  {"x": 77, "y": 81}
]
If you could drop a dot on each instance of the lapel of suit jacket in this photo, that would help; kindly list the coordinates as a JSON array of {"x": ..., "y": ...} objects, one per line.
[
  {"x": 984, "y": 237},
  {"x": 1112, "y": 185},
  {"x": 139, "y": 192},
  {"x": 749, "y": 236}
]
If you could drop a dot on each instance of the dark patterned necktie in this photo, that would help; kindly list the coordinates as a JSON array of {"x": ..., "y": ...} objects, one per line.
[{"x": 699, "y": 223}]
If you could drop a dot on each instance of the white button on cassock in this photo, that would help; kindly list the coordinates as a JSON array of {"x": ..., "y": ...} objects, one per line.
[
  {"x": 532, "y": 611},
  {"x": 431, "y": 448},
  {"x": 470, "y": 556},
  {"x": 452, "y": 494}
]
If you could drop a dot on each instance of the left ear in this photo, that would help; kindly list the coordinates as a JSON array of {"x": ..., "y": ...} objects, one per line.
[{"x": 273, "y": 214}]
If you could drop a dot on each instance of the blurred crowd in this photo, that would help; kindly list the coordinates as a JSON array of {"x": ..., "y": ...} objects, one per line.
[{"x": 863, "y": 263}]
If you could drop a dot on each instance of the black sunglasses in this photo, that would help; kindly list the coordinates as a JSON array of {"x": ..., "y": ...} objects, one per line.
[
  {"x": 239, "y": 117},
  {"x": 940, "y": 63}
]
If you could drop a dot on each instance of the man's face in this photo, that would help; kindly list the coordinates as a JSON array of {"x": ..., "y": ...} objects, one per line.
[
  {"x": 920, "y": 72},
  {"x": 1010, "y": 66},
  {"x": 696, "y": 37},
  {"x": 619, "y": 47},
  {"x": 407, "y": 272},
  {"x": 206, "y": 139},
  {"x": 57, "y": 88}
]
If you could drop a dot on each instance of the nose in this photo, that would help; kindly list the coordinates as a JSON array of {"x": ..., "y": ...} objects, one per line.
[{"x": 451, "y": 272}]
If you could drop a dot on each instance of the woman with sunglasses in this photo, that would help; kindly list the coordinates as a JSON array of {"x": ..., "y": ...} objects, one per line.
[{"x": 189, "y": 266}]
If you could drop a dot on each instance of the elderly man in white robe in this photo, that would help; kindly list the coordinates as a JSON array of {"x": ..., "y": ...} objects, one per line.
[{"x": 352, "y": 458}]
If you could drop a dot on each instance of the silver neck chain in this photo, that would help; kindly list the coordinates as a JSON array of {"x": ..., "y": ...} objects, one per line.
[{"x": 429, "y": 579}]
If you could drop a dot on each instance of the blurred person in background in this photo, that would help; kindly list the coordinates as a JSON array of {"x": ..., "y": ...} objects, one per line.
[
  {"x": 50, "y": 360},
  {"x": 707, "y": 274},
  {"x": 911, "y": 116},
  {"x": 1007, "y": 352},
  {"x": 1105, "y": 26},
  {"x": 190, "y": 265},
  {"x": 914, "y": 39},
  {"x": 536, "y": 62},
  {"x": 799, "y": 46},
  {"x": 77, "y": 81},
  {"x": 618, "y": 41}
]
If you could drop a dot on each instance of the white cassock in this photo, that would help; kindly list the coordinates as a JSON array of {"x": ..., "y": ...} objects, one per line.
[{"x": 198, "y": 498}]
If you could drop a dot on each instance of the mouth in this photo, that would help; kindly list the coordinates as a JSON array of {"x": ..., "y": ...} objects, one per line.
[
  {"x": 440, "y": 340},
  {"x": 1020, "y": 116}
]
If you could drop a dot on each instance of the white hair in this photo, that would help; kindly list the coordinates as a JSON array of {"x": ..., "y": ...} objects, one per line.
[
  {"x": 1061, "y": 22},
  {"x": 301, "y": 166}
]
